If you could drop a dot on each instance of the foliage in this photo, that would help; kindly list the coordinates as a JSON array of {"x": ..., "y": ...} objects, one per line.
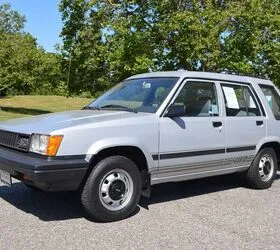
[
  {"x": 108, "y": 42},
  {"x": 105, "y": 41},
  {"x": 10, "y": 21},
  {"x": 25, "y": 67}
]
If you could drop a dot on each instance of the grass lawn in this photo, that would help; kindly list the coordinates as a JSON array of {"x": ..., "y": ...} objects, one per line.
[{"x": 20, "y": 106}]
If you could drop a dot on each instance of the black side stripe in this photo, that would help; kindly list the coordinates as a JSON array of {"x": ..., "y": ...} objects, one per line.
[
  {"x": 201, "y": 152},
  {"x": 155, "y": 157},
  {"x": 238, "y": 149},
  {"x": 189, "y": 154}
]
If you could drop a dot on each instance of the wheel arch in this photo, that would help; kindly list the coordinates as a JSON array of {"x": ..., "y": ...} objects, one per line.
[
  {"x": 132, "y": 152},
  {"x": 117, "y": 142},
  {"x": 275, "y": 145}
]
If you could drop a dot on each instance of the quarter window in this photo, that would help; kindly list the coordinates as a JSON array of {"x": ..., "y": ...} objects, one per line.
[
  {"x": 273, "y": 100},
  {"x": 199, "y": 99},
  {"x": 239, "y": 101}
]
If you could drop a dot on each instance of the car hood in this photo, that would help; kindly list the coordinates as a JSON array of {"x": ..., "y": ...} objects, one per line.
[{"x": 49, "y": 123}]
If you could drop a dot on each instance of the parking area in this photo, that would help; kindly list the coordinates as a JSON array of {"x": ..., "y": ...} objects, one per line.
[{"x": 210, "y": 213}]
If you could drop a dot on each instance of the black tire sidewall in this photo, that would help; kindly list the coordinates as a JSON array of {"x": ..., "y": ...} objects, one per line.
[
  {"x": 253, "y": 175},
  {"x": 97, "y": 210}
]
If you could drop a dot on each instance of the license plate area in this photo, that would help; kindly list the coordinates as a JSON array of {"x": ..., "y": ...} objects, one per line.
[{"x": 5, "y": 178}]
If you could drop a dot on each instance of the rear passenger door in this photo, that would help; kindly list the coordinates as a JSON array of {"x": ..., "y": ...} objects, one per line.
[{"x": 244, "y": 122}]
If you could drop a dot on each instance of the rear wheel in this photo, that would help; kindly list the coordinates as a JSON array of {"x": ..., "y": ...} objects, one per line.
[
  {"x": 262, "y": 172},
  {"x": 112, "y": 190}
]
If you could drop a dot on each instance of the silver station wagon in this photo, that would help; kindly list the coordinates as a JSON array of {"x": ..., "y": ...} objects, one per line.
[{"x": 149, "y": 129}]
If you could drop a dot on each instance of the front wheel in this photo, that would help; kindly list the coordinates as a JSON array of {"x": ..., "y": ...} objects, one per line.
[
  {"x": 112, "y": 190},
  {"x": 262, "y": 172}
]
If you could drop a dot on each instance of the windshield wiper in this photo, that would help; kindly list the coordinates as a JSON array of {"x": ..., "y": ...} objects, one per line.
[
  {"x": 90, "y": 108},
  {"x": 118, "y": 107}
]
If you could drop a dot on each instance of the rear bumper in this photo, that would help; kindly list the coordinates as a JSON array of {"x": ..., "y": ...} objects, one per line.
[{"x": 62, "y": 173}]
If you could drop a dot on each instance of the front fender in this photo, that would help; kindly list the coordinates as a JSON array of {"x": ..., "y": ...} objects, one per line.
[{"x": 98, "y": 146}]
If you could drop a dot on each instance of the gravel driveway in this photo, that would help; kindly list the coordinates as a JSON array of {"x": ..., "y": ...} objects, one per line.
[{"x": 202, "y": 214}]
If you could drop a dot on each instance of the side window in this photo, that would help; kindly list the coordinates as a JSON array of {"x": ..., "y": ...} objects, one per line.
[
  {"x": 239, "y": 101},
  {"x": 273, "y": 99},
  {"x": 199, "y": 99}
]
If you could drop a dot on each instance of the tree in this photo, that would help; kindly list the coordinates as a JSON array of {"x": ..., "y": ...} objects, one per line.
[
  {"x": 10, "y": 21},
  {"x": 24, "y": 66},
  {"x": 110, "y": 40}
]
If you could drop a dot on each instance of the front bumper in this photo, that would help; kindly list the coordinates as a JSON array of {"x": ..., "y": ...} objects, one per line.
[{"x": 61, "y": 173}]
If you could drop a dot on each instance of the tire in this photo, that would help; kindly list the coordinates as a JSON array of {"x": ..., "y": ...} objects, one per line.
[
  {"x": 112, "y": 190},
  {"x": 262, "y": 172}
]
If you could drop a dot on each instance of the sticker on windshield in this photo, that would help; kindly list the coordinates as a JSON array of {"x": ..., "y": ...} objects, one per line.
[
  {"x": 146, "y": 85},
  {"x": 155, "y": 105}
]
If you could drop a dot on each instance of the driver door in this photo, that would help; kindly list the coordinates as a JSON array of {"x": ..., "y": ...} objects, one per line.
[{"x": 193, "y": 144}]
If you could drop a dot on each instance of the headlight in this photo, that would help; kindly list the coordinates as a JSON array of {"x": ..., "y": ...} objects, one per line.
[{"x": 45, "y": 144}]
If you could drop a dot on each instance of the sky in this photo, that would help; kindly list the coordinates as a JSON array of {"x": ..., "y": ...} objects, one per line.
[{"x": 43, "y": 20}]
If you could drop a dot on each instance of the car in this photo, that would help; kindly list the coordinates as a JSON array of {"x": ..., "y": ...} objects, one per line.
[{"x": 150, "y": 128}]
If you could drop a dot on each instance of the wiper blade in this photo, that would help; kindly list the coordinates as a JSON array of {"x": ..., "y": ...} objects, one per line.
[
  {"x": 118, "y": 107},
  {"x": 90, "y": 108}
]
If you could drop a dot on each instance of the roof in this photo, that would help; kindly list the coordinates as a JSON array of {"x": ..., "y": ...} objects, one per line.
[{"x": 203, "y": 75}]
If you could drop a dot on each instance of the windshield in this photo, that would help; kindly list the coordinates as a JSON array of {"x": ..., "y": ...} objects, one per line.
[{"x": 138, "y": 95}]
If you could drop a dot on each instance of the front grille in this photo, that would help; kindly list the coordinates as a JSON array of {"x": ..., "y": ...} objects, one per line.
[{"x": 14, "y": 140}]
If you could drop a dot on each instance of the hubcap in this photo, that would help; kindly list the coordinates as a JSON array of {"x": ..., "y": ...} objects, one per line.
[
  {"x": 266, "y": 168},
  {"x": 116, "y": 189}
]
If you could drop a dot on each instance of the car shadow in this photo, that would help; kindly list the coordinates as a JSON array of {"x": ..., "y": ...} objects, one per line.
[
  {"x": 180, "y": 190},
  {"x": 45, "y": 206},
  {"x": 66, "y": 205}
]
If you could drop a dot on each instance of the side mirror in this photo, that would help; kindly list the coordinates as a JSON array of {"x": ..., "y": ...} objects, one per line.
[{"x": 175, "y": 111}]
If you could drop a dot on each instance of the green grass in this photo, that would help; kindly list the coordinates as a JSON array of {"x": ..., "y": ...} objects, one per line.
[{"x": 21, "y": 106}]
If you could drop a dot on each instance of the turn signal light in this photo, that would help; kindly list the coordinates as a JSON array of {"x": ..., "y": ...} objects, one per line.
[{"x": 53, "y": 145}]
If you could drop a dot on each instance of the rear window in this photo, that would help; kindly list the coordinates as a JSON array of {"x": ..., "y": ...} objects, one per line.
[
  {"x": 273, "y": 99},
  {"x": 239, "y": 101}
]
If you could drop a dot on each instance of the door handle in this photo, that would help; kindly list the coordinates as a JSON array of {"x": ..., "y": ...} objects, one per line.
[
  {"x": 217, "y": 124},
  {"x": 259, "y": 123}
]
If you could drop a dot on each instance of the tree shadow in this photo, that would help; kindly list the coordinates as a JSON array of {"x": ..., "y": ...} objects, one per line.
[
  {"x": 25, "y": 111},
  {"x": 66, "y": 205}
]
